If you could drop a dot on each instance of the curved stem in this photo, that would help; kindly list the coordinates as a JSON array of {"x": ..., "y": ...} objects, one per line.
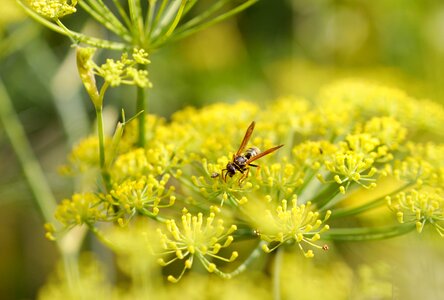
[
  {"x": 136, "y": 17},
  {"x": 101, "y": 135},
  {"x": 141, "y": 107},
  {"x": 101, "y": 13},
  {"x": 343, "y": 212},
  {"x": 247, "y": 262},
  {"x": 204, "y": 15},
  {"x": 179, "y": 34},
  {"x": 101, "y": 236},
  {"x": 78, "y": 37},
  {"x": 36, "y": 179},
  {"x": 368, "y": 233},
  {"x": 31, "y": 168}
]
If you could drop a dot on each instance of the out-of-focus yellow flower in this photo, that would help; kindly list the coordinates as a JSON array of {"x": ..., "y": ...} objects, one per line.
[
  {"x": 81, "y": 209},
  {"x": 91, "y": 282},
  {"x": 421, "y": 207},
  {"x": 84, "y": 157},
  {"x": 54, "y": 9},
  {"x": 143, "y": 195}
]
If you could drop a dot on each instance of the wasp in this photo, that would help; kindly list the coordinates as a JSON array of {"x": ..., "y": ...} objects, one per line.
[{"x": 242, "y": 161}]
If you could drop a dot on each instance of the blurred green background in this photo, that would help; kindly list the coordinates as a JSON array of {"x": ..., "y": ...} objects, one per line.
[{"x": 275, "y": 48}]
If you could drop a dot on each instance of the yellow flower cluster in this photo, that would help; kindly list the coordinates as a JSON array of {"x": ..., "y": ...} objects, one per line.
[
  {"x": 130, "y": 71},
  {"x": 53, "y": 9},
  {"x": 298, "y": 223},
  {"x": 354, "y": 137},
  {"x": 124, "y": 71},
  {"x": 420, "y": 207},
  {"x": 143, "y": 196},
  {"x": 199, "y": 238},
  {"x": 84, "y": 157},
  {"x": 86, "y": 208}
]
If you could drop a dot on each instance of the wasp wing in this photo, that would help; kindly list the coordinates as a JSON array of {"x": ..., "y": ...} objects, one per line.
[
  {"x": 263, "y": 154},
  {"x": 246, "y": 138}
]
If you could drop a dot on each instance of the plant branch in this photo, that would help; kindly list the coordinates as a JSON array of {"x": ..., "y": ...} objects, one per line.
[
  {"x": 31, "y": 168},
  {"x": 343, "y": 212},
  {"x": 367, "y": 233}
]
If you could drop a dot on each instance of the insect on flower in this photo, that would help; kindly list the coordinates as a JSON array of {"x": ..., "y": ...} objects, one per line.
[{"x": 242, "y": 161}]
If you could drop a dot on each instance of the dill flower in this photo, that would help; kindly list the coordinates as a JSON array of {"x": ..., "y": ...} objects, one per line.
[
  {"x": 53, "y": 9},
  {"x": 298, "y": 223},
  {"x": 83, "y": 157},
  {"x": 122, "y": 71},
  {"x": 143, "y": 195},
  {"x": 420, "y": 207},
  {"x": 198, "y": 238},
  {"x": 86, "y": 208},
  {"x": 354, "y": 161},
  {"x": 374, "y": 148}
]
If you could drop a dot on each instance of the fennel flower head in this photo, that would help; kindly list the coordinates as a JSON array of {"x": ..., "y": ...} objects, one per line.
[
  {"x": 53, "y": 9},
  {"x": 190, "y": 182}
]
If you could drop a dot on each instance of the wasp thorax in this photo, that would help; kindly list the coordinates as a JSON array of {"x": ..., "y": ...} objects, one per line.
[{"x": 240, "y": 160}]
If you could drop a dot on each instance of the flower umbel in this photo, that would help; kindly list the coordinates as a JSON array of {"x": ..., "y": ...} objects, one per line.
[
  {"x": 420, "y": 207},
  {"x": 329, "y": 165},
  {"x": 54, "y": 9},
  {"x": 298, "y": 223},
  {"x": 86, "y": 208},
  {"x": 143, "y": 195},
  {"x": 199, "y": 238}
]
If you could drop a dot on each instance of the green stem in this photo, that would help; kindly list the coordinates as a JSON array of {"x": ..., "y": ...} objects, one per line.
[
  {"x": 137, "y": 22},
  {"x": 78, "y": 37},
  {"x": 343, "y": 212},
  {"x": 149, "y": 19},
  {"x": 255, "y": 254},
  {"x": 32, "y": 169},
  {"x": 122, "y": 13},
  {"x": 36, "y": 179},
  {"x": 170, "y": 20},
  {"x": 70, "y": 265},
  {"x": 159, "y": 14},
  {"x": 367, "y": 233},
  {"x": 325, "y": 196},
  {"x": 100, "y": 236},
  {"x": 204, "y": 15},
  {"x": 101, "y": 135},
  {"x": 99, "y": 11},
  {"x": 141, "y": 106},
  {"x": 100, "y": 132},
  {"x": 277, "y": 274},
  {"x": 176, "y": 20},
  {"x": 179, "y": 34}
]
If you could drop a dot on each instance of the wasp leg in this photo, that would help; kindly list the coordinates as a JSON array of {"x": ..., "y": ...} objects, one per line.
[
  {"x": 257, "y": 170},
  {"x": 224, "y": 176},
  {"x": 244, "y": 176}
]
